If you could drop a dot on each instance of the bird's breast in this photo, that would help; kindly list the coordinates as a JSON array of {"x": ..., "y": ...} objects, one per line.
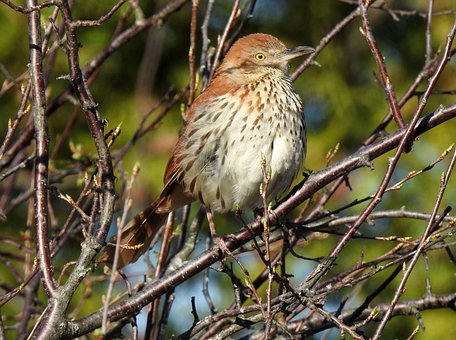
[{"x": 230, "y": 137}]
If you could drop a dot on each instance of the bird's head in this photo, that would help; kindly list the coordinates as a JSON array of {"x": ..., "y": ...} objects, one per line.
[{"x": 257, "y": 55}]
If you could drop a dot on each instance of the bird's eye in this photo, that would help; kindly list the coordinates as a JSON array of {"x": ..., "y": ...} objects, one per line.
[{"x": 260, "y": 56}]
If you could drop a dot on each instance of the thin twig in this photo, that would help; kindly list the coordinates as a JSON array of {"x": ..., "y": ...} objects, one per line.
[
  {"x": 340, "y": 324},
  {"x": 17, "y": 167},
  {"x": 21, "y": 113},
  {"x": 395, "y": 13},
  {"x": 221, "y": 43},
  {"x": 379, "y": 59},
  {"x": 205, "y": 57},
  {"x": 102, "y": 19},
  {"x": 121, "y": 224},
  {"x": 191, "y": 52},
  {"x": 428, "y": 55},
  {"x": 324, "y": 42},
  {"x": 32, "y": 6},
  {"x": 152, "y": 316}
]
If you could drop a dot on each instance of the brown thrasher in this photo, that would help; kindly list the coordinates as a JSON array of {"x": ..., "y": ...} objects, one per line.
[{"x": 249, "y": 113}]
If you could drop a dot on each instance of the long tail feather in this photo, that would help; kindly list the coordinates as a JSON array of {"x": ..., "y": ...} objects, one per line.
[
  {"x": 137, "y": 235},
  {"x": 135, "y": 238}
]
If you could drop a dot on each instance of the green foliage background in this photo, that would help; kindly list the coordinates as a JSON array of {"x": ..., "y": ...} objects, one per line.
[{"x": 344, "y": 104}]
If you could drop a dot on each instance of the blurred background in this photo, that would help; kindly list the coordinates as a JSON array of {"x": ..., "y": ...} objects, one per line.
[{"x": 344, "y": 103}]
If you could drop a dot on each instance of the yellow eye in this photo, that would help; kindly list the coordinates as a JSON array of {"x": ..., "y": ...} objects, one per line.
[{"x": 260, "y": 56}]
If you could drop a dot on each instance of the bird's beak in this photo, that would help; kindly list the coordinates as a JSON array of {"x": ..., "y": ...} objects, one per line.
[{"x": 291, "y": 53}]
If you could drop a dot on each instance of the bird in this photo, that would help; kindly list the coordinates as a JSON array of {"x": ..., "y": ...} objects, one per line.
[{"x": 248, "y": 114}]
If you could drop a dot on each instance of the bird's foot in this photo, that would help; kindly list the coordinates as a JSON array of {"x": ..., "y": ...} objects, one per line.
[
  {"x": 226, "y": 253},
  {"x": 221, "y": 244}
]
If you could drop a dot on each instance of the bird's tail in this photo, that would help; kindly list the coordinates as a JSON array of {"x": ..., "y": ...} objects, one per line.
[{"x": 135, "y": 237}]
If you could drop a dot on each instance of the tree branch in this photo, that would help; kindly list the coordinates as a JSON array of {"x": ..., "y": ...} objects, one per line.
[
  {"x": 407, "y": 136},
  {"x": 315, "y": 182},
  {"x": 315, "y": 325},
  {"x": 41, "y": 180},
  {"x": 379, "y": 59}
]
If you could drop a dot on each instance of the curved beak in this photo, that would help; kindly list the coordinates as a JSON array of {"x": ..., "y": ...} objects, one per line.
[{"x": 291, "y": 53}]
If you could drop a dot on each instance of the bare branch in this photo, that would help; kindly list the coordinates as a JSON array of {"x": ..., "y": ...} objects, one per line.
[
  {"x": 424, "y": 240},
  {"x": 32, "y": 8},
  {"x": 191, "y": 52},
  {"x": 317, "y": 180},
  {"x": 41, "y": 181},
  {"x": 324, "y": 42},
  {"x": 379, "y": 59},
  {"x": 428, "y": 55},
  {"x": 120, "y": 226},
  {"x": 221, "y": 43},
  {"x": 102, "y": 19},
  {"x": 405, "y": 138}
]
